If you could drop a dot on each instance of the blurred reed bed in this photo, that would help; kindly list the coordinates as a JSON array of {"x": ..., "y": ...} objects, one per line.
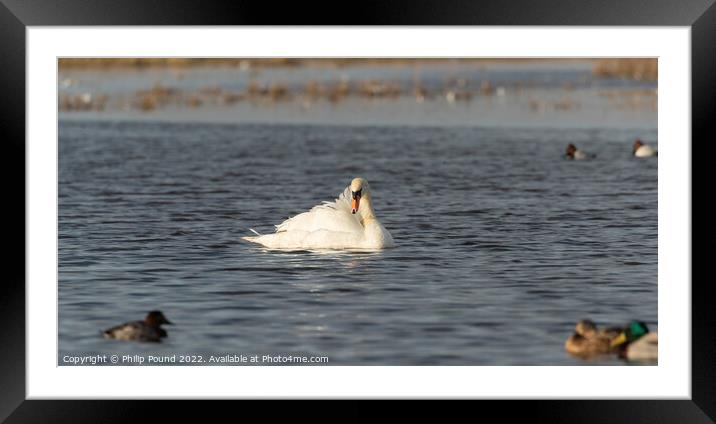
[
  {"x": 637, "y": 69},
  {"x": 305, "y": 93},
  {"x": 184, "y": 62}
]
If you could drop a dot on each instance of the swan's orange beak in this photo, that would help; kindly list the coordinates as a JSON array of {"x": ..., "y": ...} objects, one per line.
[
  {"x": 355, "y": 203},
  {"x": 356, "y": 200}
]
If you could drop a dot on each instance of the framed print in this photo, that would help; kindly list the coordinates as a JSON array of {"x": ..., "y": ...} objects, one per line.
[{"x": 462, "y": 210}]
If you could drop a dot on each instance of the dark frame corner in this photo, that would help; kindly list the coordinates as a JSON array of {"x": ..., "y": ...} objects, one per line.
[{"x": 16, "y": 15}]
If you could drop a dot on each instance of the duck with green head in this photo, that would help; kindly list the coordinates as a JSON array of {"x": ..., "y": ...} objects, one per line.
[{"x": 637, "y": 343}]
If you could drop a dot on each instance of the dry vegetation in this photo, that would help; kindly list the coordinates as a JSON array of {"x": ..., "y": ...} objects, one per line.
[
  {"x": 452, "y": 89},
  {"x": 98, "y": 63},
  {"x": 638, "y": 69},
  {"x": 170, "y": 62}
]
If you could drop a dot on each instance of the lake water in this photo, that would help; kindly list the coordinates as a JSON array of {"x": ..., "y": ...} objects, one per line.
[{"x": 502, "y": 244}]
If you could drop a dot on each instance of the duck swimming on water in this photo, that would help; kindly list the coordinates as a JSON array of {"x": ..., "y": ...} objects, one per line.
[
  {"x": 588, "y": 340},
  {"x": 148, "y": 330},
  {"x": 576, "y": 154},
  {"x": 641, "y": 150},
  {"x": 637, "y": 343}
]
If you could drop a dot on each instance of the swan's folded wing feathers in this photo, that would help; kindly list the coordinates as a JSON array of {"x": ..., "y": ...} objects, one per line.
[
  {"x": 331, "y": 216},
  {"x": 329, "y": 225}
]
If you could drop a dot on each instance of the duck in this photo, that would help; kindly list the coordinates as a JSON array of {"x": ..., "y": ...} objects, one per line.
[
  {"x": 576, "y": 154},
  {"x": 588, "y": 340},
  {"x": 148, "y": 330},
  {"x": 641, "y": 150},
  {"x": 637, "y": 343},
  {"x": 349, "y": 222}
]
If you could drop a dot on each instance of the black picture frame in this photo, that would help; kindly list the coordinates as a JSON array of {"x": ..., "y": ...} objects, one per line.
[{"x": 16, "y": 15}]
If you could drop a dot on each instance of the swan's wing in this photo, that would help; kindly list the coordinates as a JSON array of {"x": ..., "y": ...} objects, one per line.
[{"x": 329, "y": 216}]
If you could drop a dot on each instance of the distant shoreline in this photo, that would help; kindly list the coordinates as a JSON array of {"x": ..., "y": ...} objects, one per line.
[
  {"x": 284, "y": 62},
  {"x": 640, "y": 69}
]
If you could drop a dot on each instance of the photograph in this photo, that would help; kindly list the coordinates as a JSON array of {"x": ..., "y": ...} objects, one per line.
[
  {"x": 461, "y": 201},
  {"x": 357, "y": 211}
]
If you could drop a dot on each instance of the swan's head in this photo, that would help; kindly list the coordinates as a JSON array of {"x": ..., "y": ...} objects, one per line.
[{"x": 359, "y": 188}]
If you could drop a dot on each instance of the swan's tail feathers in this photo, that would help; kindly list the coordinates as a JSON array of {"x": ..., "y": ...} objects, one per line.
[{"x": 252, "y": 238}]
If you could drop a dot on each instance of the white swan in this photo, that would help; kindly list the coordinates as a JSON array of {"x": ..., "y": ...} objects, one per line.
[
  {"x": 347, "y": 223},
  {"x": 641, "y": 150}
]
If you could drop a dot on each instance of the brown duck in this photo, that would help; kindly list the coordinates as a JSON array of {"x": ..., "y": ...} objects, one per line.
[
  {"x": 588, "y": 340},
  {"x": 148, "y": 330}
]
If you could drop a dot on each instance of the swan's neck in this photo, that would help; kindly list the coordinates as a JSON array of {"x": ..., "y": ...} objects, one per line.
[{"x": 367, "y": 211}]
